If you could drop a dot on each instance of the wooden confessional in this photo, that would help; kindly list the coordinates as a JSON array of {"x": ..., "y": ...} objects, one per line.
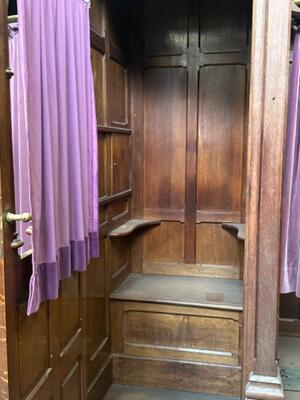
[{"x": 191, "y": 109}]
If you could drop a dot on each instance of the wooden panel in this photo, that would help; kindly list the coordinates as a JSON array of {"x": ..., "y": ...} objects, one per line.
[
  {"x": 165, "y": 242},
  {"x": 121, "y": 165},
  {"x": 223, "y": 26},
  {"x": 96, "y": 316},
  {"x": 71, "y": 386},
  {"x": 119, "y": 256},
  {"x": 217, "y": 246},
  {"x": 34, "y": 345},
  {"x": 69, "y": 306},
  {"x": 118, "y": 93},
  {"x": 104, "y": 165},
  {"x": 176, "y": 375},
  {"x": 165, "y": 27},
  {"x": 98, "y": 74},
  {"x": 221, "y": 121},
  {"x": 97, "y": 16},
  {"x": 183, "y": 336},
  {"x": 164, "y": 138}
]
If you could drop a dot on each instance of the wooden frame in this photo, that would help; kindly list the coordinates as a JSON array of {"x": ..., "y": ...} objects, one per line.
[{"x": 267, "y": 121}]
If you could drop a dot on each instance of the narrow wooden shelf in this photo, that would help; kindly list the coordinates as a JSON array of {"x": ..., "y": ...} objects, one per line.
[
  {"x": 132, "y": 225},
  {"x": 182, "y": 290},
  {"x": 238, "y": 228},
  {"x": 123, "y": 392}
]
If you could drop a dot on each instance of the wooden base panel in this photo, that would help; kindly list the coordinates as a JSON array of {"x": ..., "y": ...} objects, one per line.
[
  {"x": 175, "y": 375},
  {"x": 124, "y": 392},
  {"x": 262, "y": 387}
]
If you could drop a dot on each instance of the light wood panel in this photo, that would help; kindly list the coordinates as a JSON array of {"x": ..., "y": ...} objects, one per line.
[
  {"x": 121, "y": 159},
  {"x": 164, "y": 138},
  {"x": 118, "y": 85},
  {"x": 220, "y": 144}
]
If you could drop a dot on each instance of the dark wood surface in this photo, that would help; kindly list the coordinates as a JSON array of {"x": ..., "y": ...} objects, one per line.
[
  {"x": 239, "y": 229},
  {"x": 123, "y": 392},
  {"x": 132, "y": 225},
  {"x": 182, "y": 290}
]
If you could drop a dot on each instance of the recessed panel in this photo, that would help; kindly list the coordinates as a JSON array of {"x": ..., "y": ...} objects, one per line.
[
  {"x": 216, "y": 245},
  {"x": 223, "y": 26},
  {"x": 98, "y": 74},
  {"x": 34, "y": 346},
  {"x": 97, "y": 16},
  {"x": 165, "y": 27},
  {"x": 221, "y": 135},
  {"x": 164, "y": 138},
  {"x": 69, "y": 309},
  {"x": 165, "y": 242},
  {"x": 118, "y": 93},
  {"x": 71, "y": 386},
  {"x": 121, "y": 168}
]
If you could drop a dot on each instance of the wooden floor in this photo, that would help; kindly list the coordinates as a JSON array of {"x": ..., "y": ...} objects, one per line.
[
  {"x": 122, "y": 392},
  {"x": 182, "y": 290}
]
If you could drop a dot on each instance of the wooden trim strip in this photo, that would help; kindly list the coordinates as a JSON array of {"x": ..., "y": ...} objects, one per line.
[
  {"x": 110, "y": 199},
  {"x": 97, "y": 41},
  {"x": 114, "y": 129}
]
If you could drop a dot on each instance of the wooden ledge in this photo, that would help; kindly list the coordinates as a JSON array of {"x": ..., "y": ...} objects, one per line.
[
  {"x": 189, "y": 291},
  {"x": 132, "y": 225},
  {"x": 238, "y": 228}
]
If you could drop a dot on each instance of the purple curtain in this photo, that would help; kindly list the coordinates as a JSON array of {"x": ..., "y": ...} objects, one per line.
[
  {"x": 62, "y": 141},
  {"x": 19, "y": 139},
  {"x": 290, "y": 252}
]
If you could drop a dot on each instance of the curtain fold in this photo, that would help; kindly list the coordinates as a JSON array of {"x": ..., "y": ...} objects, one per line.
[
  {"x": 62, "y": 141},
  {"x": 290, "y": 251}
]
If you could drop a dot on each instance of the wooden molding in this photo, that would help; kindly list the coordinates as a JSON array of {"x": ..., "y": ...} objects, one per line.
[{"x": 262, "y": 387}]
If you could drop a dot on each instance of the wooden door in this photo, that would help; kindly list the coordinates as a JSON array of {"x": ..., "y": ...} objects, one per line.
[{"x": 63, "y": 350}]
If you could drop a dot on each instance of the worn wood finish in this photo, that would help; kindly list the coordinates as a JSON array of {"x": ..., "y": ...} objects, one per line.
[
  {"x": 176, "y": 332},
  {"x": 183, "y": 290},
  {"x": 123, "y": 392},
  {"x": 267, "y": 118},
  {"x": 132, "y": 225},
  {"x": 176, "y": 375}
]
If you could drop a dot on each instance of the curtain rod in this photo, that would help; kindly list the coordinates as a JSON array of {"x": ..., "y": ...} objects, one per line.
[{"x": 12, "y": 18}]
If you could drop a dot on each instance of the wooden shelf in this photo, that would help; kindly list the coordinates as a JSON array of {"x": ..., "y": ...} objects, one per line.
[
  {"x": 239, "y": 229},
  {"x": 182, "y": 290},
  {"x": 132, "y": 225}
]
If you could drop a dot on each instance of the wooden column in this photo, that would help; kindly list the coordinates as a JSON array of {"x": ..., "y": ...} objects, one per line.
[{"x": 267, "y": 125}]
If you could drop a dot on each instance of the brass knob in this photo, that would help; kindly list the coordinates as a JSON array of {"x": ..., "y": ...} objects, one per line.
[
  {"x": 17, "y": 242},
  {"x": 24, "y": 217}
]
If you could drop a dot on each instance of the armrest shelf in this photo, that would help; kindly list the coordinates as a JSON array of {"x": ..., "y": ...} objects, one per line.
[
  {"x": 239, "y": 229},
  {"x": 132, "y": 225}
]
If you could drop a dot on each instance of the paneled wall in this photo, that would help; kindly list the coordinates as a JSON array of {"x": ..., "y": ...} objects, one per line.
[
  {"x": 192, "y": 82},
  {"x": 63, "y": 351}
]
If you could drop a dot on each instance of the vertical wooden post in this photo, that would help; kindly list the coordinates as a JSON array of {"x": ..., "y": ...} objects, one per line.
[{"x": 267, "y": 124}]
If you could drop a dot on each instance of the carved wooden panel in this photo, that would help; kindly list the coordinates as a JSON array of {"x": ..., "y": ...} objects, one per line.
[
  {"x": 118, "y": 92},
  {"x": 220, "y": 144},
  {"x": 104, "y": 164},
  {"x": 165, "y": 27},
  {"x": 223, "y": 26},
  {"x": 164, "y": 138}
]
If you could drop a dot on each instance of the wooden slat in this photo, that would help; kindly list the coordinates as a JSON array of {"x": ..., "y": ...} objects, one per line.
[
  {"x": 182, "y": 290},
  {"x": 132, "y": 225}
]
